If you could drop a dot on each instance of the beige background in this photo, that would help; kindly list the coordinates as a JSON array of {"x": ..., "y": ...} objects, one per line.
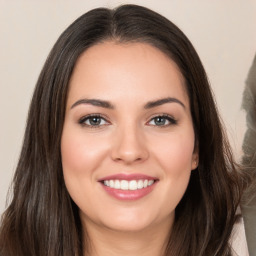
[{"x": 223, "y": 32}]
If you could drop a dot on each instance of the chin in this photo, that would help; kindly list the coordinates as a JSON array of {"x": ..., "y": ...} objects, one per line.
[
  {"x": 130, "y": 221},
  {"x": 133, "y": 226}
]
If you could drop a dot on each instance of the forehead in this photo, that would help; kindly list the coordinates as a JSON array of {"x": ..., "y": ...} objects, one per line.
[{"x": 111, "y": 68}]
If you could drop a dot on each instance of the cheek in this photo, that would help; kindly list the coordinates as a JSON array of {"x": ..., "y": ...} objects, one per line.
[
  {"x": 175, "y": 153},
  {"x": 81, "y": 157},
  {"x": 80, "y": 154},
  {"x": 175, "y": 157}
]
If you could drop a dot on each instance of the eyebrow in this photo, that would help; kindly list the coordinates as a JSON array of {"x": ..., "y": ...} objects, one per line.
[
  {"x": 94, "y": 102},
  {"x": 160, "y": 102},
  {"x": 107, "y": 104}
]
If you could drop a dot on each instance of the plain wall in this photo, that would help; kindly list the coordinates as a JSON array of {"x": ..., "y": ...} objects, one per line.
[{"x": 223, "y": 33}]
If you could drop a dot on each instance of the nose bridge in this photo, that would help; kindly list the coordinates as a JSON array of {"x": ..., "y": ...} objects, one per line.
[{"x": 129, "y": 144}]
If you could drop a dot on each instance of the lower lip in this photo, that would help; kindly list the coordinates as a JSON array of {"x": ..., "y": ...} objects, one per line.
[{"x": 129, "y": 194}]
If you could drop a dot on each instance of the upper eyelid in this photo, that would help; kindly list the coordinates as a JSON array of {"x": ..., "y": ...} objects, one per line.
[
  {"x": 93, "y": 115},
  {"x": 162, "y": 115},
  {"x": 83, "y": 118},
  {"x": 172, "y": 120}
]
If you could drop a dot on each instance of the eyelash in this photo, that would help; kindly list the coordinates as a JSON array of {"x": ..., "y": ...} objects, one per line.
[
  {"x": 82, "y": 121},
  {"x": 90, "y": 117},
  {"x": 167, "y": 117}
]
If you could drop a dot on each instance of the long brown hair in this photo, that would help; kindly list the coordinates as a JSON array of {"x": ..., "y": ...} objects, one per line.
[{"x": 42, "y": 219}]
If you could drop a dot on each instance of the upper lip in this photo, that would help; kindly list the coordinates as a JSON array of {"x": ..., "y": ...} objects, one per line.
[{"x": 123, "y": 176}]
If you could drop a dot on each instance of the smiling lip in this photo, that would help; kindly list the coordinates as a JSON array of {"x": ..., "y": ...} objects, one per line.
[
  {"x": 122, "y": 176},
  {"x": 131, "y": 193}
]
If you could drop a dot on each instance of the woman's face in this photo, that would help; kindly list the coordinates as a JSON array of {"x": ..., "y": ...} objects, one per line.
[{"x": 128, "y": 140}]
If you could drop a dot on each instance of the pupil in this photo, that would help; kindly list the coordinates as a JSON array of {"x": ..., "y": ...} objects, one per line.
[
  {"x": 94, "y": 120},
  {"x": 159, "y": 121}
]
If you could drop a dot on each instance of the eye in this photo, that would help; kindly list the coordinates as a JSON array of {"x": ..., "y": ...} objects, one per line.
[
  {"x": 162, "y": 121},
  {"x": 93, "y": 121}
]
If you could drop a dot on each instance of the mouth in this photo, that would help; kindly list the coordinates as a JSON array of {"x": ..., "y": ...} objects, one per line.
[
  {"x": 128, "y": 187},
  {"x": 128, "y": 184}
]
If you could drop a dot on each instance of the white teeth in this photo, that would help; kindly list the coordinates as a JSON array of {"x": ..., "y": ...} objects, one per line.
[
  {"x": 128, "y": 185},
  {"x": 106, "y": 183},
  {"x": 150, "y": 182},
  {"x": 117, "y": 184},
  {"x": 133, "y": 185},
  {"x": 124, "y": 185},
  {"x": 140, "y": 184},
  {"x": 111, "y": 183}
]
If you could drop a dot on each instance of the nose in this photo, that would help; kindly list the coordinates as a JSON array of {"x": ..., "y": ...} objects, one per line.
[{"x": 129, "y": 146}]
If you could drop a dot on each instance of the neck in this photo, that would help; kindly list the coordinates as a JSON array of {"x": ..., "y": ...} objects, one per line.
[{"x": 148, "y": 242}]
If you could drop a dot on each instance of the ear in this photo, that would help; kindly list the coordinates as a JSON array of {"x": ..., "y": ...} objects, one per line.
[{"x": 195, "y": 159}]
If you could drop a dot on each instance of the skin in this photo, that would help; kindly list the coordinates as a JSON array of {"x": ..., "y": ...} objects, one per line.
[{"x": 127, "y": 140}]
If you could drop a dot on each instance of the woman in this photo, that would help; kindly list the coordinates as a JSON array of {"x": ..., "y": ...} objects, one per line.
[{"x": 124, "y": 151}]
